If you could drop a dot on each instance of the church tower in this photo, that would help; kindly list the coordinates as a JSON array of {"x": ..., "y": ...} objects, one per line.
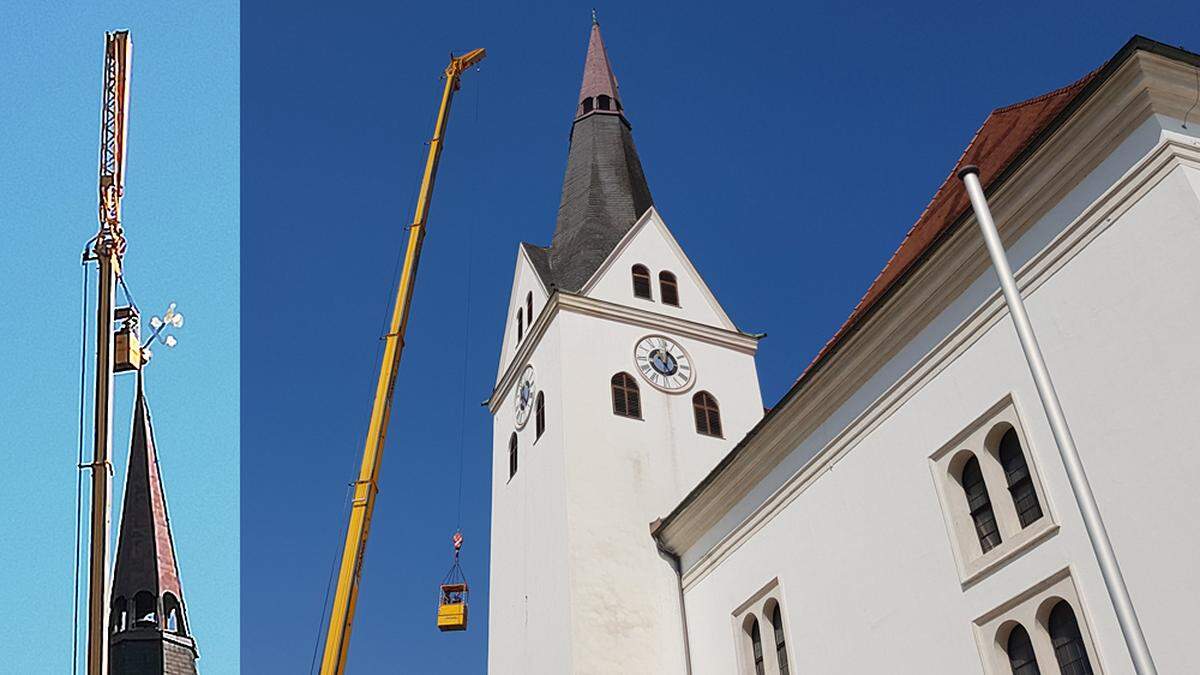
[
  {"x": 621, "y": 384},
  {"x": 149, "y": 621}
]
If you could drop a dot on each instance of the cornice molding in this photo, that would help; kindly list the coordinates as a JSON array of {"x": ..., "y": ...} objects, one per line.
[
  {"x": 945, "y": 275},
  {"x": 562, "y": 301}
]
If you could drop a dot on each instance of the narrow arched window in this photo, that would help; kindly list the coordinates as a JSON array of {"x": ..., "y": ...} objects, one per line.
[
  {"x": 756, "y": 650},
  {"x": 641, "y": 282},
  {"x": 529, "y": 307},
  {"x": 668, "y": 290},
  {"x": 1020, "y": 483},
  {"x": 1020, "y": 652},
  {"x": 539, "y": 413},
  {"x": 707, "y": 414},
  {"x": 588, "y": 104},
  {"x": 626, "y": 399},
  {"x": 780, "y": 643},
  {"x": 980, "y": 505},
  {"x": 512, "y": 455},
  {"x": 1069, "y": 650},
  {"x": 116, "y": 620},
  {"x": 173, "y": 612},
  {"x": 520, "y": 327},
  {"x": 603, "y": 101},
  {"x": 145, "y": 610}
]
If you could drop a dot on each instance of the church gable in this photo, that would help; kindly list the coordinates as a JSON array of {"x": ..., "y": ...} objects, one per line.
[
  {"x": 645, "y": 263},
  {"x": 525, "y": 303}
]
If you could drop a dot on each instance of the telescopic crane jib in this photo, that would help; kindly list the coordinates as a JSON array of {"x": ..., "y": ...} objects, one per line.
[{"x": 337, "y": 640}]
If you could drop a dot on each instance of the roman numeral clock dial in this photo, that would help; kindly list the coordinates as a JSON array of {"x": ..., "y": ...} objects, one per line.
[
  {"x": 523, "y": 397},
  {"x": 663, "y": 363}
]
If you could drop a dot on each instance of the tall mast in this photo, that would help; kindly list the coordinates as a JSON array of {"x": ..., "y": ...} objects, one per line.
[
  {"x": 107, "y": 249},
  {"x": 337, "y": 640}
]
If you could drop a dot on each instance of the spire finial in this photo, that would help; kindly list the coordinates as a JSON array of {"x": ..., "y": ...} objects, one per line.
[{"x": 595, "y": 21}]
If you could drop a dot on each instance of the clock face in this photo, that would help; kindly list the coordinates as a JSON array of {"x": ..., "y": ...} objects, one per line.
[
  {"x": 523, "y": 396},
  {"x": 663, "y": 363}
]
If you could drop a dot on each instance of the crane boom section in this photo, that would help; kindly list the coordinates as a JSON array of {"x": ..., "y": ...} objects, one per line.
[{"x": 341, "y": 618}]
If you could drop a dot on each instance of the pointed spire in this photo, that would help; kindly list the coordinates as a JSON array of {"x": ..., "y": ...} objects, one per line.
[
  {"x": 604, "y": 189},
  {"x": 598, "y": 78},
  {"x": 147, "y": 597}
]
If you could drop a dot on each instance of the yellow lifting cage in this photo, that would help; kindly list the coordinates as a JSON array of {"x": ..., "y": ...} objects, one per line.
[{"x": 452, "y": 597}]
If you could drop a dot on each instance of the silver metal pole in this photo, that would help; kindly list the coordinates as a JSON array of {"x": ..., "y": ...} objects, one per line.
[{"x": 1131, "y": 629}]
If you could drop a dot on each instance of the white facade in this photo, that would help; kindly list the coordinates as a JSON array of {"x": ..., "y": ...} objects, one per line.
[{"x": 842, "y": 508}]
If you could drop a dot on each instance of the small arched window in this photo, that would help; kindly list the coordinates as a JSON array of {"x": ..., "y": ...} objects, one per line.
[
  {"x": 529, "y": 307},
  {"x": 117, "y": 617},
  {"x": 708, "y": 415},
  {"x": 1020, "y": 483},
  {"x": 980, "y": 505},
  {"x": 756, "y": 650},
  {"x": 145, "y": 610},
  {"x": 604, "y": 101},
  {"x": 512, "y": 455},
  {"x": 780, "y": 643},
  {"x": 520, "y": 326},
  {"x": 1069, "y": 649},
  {"x": 173, "y": 611},
  {"x": 1020, "y": 652},
  {"x": 588, "y": 104},
  {"x": 626, "y": 399},
  {"x": 668, "y": 289},
  {"x": 539, "y": 412},
  {"x": 641, "y": 282}
]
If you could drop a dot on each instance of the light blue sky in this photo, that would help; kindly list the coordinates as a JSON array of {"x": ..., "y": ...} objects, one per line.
[{"x": 182, "y": 222}]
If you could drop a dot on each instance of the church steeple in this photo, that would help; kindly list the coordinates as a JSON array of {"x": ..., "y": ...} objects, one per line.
[
  {"x": 150, "y": 631},
  {"x": 604, "y": 190}
]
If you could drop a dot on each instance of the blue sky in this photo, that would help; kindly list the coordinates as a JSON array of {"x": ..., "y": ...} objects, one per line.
[
  {"x": 181, "y": 218},
  {"x": 788, "y": 146}
]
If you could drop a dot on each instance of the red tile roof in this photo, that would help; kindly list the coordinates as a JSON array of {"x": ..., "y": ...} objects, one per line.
[{"x": 1005, "y": 134}]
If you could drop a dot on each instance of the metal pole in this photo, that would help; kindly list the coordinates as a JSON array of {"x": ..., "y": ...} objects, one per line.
[
  {"x": 1131, "y": 629},
  {"x": 101, "y": 466}
]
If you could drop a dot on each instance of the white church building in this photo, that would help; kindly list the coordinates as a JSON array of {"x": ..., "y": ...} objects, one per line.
[{"x": 903, "y": 508}]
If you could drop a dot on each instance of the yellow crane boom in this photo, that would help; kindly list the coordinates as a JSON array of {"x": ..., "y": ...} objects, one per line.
[{"x": 341, "y": 617}]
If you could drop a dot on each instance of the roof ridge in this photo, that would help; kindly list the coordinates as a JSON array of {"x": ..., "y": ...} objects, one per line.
[{"x": 1048, "y": 95}]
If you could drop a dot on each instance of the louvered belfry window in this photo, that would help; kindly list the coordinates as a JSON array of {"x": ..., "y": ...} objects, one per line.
[
  {"x": 641, "y": 282},
  {"x": 1020, "y": 652},
  {"x": 668, "y": 289},
  {"x": 756, "y": 648},
  {"x": 1020, "y": 483},
  {"x": 520, "y": 327},
  {"x": 708, "y": 415},
  {"x": 626, "y": 399},
  {"x": 780, "y": 644},
  {"x": 980, "y": 505},
  {"x": 529, "y": 307},
  {"x": 539, "y": 412},
  {"x": 1069, "y": 649}
]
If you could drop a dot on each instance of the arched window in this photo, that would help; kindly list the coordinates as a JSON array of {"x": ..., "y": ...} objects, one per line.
[
  {"x": 539, "y": 412},
  {"x": 1020, "y": 652},
  {"x": 529, "y": 307},
  {"x": 708, "y": 415},
  {"x": 1020, "y": 483},
  {"x": 145, "y": 610},
  {"x": 626, "y": 399},
  {"x": 520, "y": 327},
  {"x": 603, "y": 101},
  {"x": 588, "y": 104},
  {"x": 512, "y": 455},
  {"x": 756, "y": 650},
  {"x": 641, "y": 282},
  {"x": 117, "y": 617},
  {"x": 173, "y": 611},
  {"x": 980, "y": 505},
  {"x": 780, "y": 644},
  {"x": 668, "y": 290},
  {"x": 1069, "y": 650}
]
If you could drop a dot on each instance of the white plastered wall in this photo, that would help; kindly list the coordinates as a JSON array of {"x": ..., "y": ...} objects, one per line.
[{"x": 863, "y": 553}]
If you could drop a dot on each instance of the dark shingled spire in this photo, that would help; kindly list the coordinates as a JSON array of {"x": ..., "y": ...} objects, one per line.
[
  {"x": 604, "y": 190},
  {"x": 150, "y": 632}
]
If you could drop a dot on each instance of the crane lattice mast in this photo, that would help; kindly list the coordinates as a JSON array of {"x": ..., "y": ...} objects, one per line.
[
  {"x": 107, "y": 249},
  {"x": 341, "y": 617}
]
